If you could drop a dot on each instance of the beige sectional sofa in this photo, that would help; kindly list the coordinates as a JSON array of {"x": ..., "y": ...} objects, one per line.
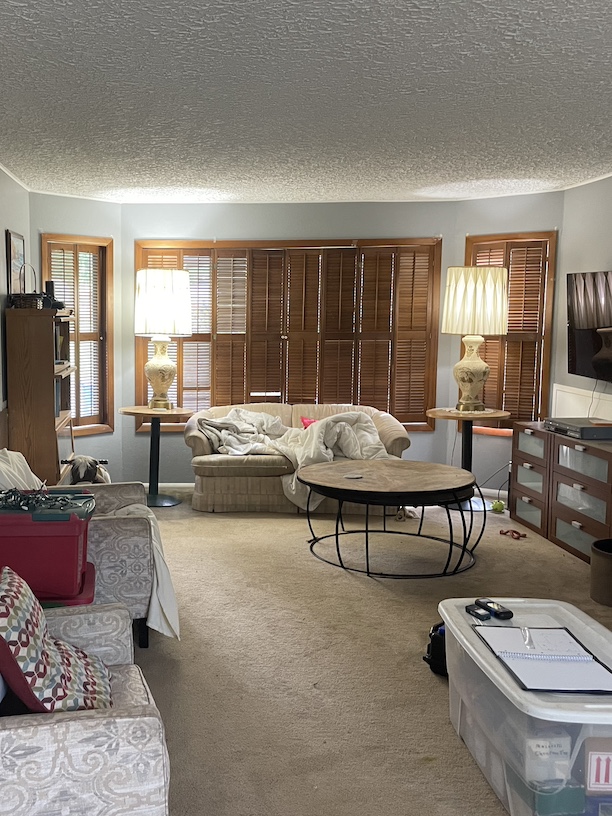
[{"x": 225, "y": 483}]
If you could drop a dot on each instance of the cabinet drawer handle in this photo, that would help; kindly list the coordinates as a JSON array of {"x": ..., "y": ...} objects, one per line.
[
  {"x": 527, "y": 465},
  {"x": 579, "y": 448},
  {"x": 528, "y": 431},
  {"x": 577, "y": 486},
  {"x": 577, "y": 525},
  {"x": 526, "y": 499}
]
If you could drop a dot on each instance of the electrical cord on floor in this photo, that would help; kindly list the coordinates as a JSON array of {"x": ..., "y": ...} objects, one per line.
[
  {"x": 499, "y": 506},
  {"x": 501, "y": 487},
  {"x": 482, "y": 484}
]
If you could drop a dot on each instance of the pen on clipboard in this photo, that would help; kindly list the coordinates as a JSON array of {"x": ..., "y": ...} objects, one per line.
[{"x": 527, "y": 639}]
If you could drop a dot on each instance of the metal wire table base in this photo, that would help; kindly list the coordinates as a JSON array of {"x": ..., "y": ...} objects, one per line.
[{"x": 461, "y": 545}]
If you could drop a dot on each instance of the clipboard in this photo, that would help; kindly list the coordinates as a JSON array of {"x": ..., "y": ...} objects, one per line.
[{"x": 547, "y": 659}]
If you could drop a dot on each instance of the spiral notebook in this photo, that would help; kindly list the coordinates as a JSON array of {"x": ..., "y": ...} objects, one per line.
[{"x": 547, "y": 659}]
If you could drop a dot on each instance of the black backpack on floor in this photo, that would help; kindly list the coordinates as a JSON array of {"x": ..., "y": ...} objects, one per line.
[{"x": 436, "y": 650}]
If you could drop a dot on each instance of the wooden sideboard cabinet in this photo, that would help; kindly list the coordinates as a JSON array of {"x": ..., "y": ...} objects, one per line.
[
  {"x": 561, "y": 487},
  {"x": 529, "y": 484},
  {"x": 38, "y": 373}
]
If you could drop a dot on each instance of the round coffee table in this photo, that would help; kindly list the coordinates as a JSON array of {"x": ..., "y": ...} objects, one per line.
[{"x": 396, "y": 483}]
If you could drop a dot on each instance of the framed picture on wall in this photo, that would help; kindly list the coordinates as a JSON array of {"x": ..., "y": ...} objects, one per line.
[{"x": 15, "y": 259}]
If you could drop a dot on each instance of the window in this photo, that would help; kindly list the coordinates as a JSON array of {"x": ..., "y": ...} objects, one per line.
[
  {"x": 81, "y": 269},
  {"x": 288, "y": 322},
  {"x": 520, "y": 361}
]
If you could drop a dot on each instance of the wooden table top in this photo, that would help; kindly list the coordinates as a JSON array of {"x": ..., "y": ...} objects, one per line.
[
  {"x": 385, "y": 477},
  {"x": 481, "y": 416},
  {"x": 148, "y": 413}
]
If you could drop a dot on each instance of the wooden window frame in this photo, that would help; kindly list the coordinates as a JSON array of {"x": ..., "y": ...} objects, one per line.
[
  {"x": 545, "y": 334},
  {"x": 106, "y": 247},
  {"x": 142, "y": 246}
]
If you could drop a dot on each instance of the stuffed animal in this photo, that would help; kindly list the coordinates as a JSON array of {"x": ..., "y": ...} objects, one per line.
[{"x": 87, "y": 470}]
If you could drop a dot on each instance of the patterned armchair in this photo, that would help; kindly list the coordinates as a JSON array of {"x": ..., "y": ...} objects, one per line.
[
  {"x": 89, "y": 763},
  {"x": 121, "y": 550},
  {"x": 123, "y": 544}
]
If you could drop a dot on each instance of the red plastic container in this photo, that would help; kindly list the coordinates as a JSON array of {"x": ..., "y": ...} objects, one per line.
[
  {"x": 48, "y": 548},
  {"x": 85, "y": 596}
]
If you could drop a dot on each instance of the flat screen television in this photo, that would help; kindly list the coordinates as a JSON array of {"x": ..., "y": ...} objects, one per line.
[{"x": 589, "y": 324}]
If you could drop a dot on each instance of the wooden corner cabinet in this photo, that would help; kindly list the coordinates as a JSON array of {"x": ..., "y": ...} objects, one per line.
[
  {"x": 561, "y": 487},
  {"x": 38, "y": 388}
]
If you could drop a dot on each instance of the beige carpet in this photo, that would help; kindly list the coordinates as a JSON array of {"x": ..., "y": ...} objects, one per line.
[{"x": 299, "y": 689}]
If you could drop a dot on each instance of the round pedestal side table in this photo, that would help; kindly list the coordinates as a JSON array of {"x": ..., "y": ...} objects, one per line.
[
  {"x": 156, "y": 415},
  {"x": 468, "y": 417}
]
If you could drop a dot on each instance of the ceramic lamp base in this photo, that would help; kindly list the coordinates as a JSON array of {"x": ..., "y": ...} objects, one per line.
[
  {"x": 160, "y": 371},
  {"x": 471, "y": 373}
]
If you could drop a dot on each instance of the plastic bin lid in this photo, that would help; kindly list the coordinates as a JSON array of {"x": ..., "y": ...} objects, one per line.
[
  {"x": 557, "y": 707},
  {"x": 80, "y": 505}
]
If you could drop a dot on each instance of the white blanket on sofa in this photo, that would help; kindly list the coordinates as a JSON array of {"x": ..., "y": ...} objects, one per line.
[{"x": 350, "y": 435}]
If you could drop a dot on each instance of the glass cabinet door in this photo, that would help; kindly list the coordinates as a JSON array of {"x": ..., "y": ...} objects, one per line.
[
  {"x": 575, "y": 497},
  {"x": 573, "y": 536},
  {"x": 527, "y": 511},
  {"x": 527, "y": 476},
  {"x": 581, "y": 461},
  {"x": 530, "y": 444}
]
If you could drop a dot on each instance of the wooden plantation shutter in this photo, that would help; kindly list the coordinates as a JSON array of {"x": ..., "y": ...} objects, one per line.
[
  {"x": 63, "y": 272},
  {"x": 80, "y": 273},
  {"x": 302, "y": 327},
  {"x": 338, "y": 310},
  {"x": 265, "y": 353},
  {"x": 90, "y": 360},
  {"x": 520, "y": 361},
  {"x": 229, "y": 370},
  {"x": 193, "y": 385},
  {"x": 375, "y": 297},
  {"x": 415, "y": 347}
]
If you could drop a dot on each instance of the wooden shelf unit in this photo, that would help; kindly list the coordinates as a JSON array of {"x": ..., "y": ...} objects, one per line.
[
  {"x": 561, "y": 487},
  {"x": 38, "y": 388}
]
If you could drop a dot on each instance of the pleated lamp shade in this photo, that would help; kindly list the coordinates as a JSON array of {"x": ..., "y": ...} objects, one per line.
[
  {"x": 163, "y": 303},
  {"x": 476, "y": 300}
]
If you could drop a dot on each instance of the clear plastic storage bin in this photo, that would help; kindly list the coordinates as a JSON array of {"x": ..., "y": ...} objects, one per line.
[{"x": 543, "y": 753}]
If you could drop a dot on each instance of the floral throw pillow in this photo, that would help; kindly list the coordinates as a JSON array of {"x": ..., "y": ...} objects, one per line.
[{"x": 45, "y": 674}]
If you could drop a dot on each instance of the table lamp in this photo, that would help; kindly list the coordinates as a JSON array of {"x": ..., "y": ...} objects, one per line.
[
  {"x": 162, "y": 310},
  {"x": 475, "y": 303}
]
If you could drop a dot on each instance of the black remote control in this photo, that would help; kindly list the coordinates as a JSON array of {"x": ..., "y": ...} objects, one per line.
[
  {"x": 494, "y": 608},
  {"x": 477, "y": 612}
]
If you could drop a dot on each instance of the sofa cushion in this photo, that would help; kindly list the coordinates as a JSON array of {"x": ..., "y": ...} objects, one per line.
[
  {"x": 45, "y": 674},
  {"x": 255, "y": 464},
  {"x": 324, "y": 410}
]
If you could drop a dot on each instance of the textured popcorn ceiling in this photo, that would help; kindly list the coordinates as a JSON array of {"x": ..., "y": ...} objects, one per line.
[{"x": 305, "y": 100}]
